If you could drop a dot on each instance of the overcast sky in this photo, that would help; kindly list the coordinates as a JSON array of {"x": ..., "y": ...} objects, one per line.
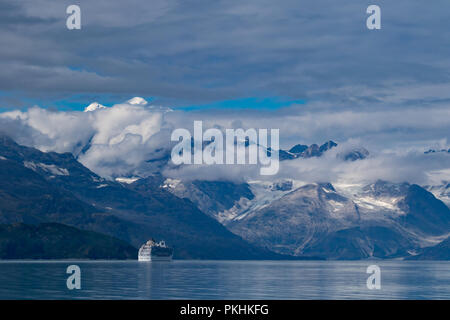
[
  {"x": 310, "y": 68},
  {"x": 200, "y": 52}
]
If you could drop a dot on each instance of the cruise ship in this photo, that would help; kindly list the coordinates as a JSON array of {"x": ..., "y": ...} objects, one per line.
[{"x": 155, "y": 251}]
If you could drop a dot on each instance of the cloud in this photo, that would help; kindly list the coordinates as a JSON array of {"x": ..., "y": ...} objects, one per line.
[
  {"x": 385, "y": 90},
  {"x": 130, "y": 139},
  {"x": 408, "y": 166},
  {"x": 378, "y": 128},
  {"x": 110, "y": 141},
  {"x": 200, "y": 52}
]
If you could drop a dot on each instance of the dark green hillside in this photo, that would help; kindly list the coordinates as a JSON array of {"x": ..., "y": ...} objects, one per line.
[
  {"x": 38, "y": 187},
  {"x": 58, "y": 241}
]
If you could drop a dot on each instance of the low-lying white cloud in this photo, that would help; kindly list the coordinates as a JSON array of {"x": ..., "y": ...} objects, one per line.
[
  {"x": 110, "y": 141},
  {"x": 125, "y": 139}
]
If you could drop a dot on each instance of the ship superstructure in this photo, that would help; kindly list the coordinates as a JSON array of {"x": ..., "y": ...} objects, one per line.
[{"x": 155, "y": 251}]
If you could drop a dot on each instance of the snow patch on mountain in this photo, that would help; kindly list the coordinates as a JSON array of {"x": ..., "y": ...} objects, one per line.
[
  {"x": 374, "y": 204},
  {"x": 127, "y": 180},
  {"x": 234, "y": 212},
  {"x": 170, "y": 183},
  {"x": 265, "y": 193},
  {"x": 50, "y": 168}
]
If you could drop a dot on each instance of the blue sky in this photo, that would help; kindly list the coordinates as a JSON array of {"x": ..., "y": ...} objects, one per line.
[
  {"x": 272, "y": 103},
  {"x": 79, "y": 102}
]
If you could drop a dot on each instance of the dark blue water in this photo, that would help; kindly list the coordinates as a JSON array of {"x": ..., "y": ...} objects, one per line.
[{"x": 225, "y": 280}]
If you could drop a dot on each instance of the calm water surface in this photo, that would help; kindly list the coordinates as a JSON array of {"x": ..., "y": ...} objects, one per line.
[{"x": 225, "y": 280}]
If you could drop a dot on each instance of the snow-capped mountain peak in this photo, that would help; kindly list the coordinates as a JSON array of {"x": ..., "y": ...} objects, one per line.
[
  {"x": 94, "y": 106},
  {"x": 137, "y": 101}
]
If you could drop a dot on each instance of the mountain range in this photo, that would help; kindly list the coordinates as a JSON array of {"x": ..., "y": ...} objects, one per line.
[
  {"x": 38, "y": 187},
  {"x": 226, "y": 220},
  {"x": 343, "y": 221},
  {"x": 381, "y": 220}
]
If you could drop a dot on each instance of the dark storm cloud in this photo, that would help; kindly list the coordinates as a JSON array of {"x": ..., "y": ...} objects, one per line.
[{"x": 211, "y": 50}]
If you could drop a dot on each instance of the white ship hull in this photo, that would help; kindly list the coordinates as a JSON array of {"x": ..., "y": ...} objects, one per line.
[{"x": 152, "y": 251}]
